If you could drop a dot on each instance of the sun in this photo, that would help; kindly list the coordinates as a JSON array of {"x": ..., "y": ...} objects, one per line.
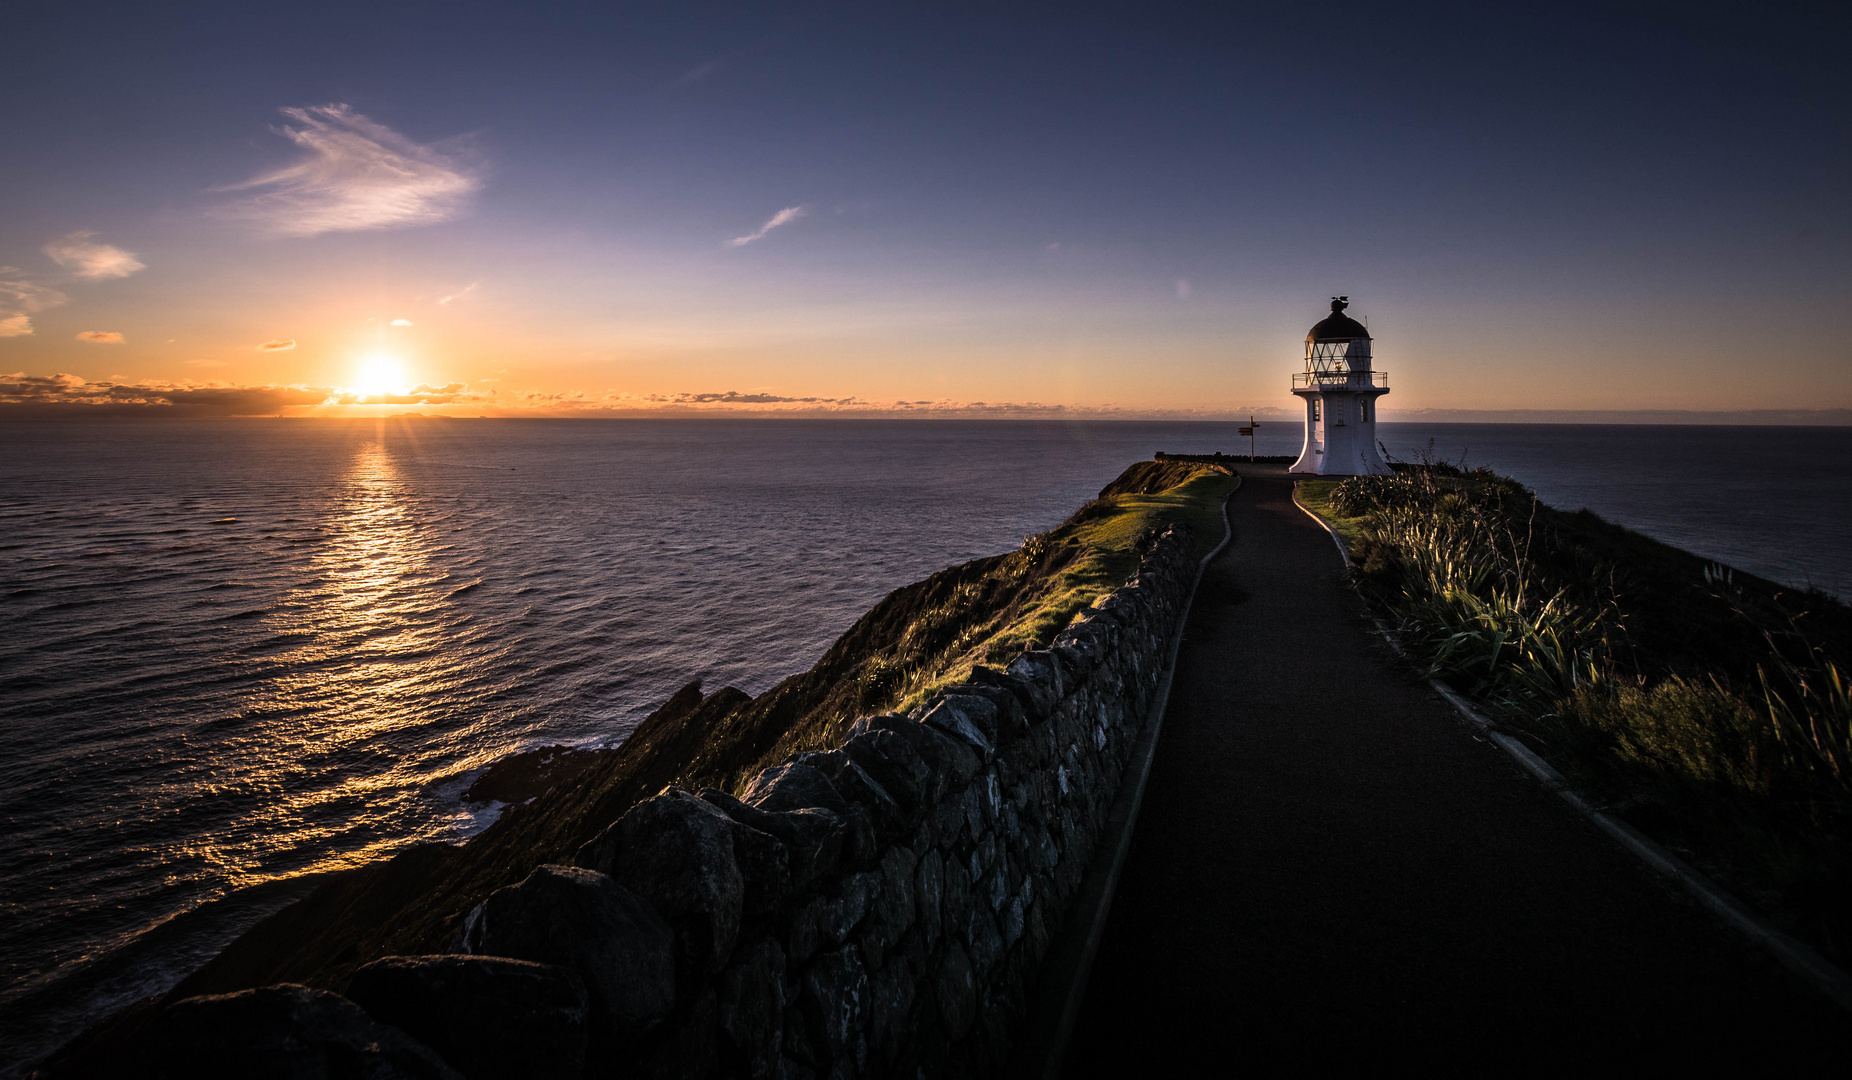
[{"x": 378, "y": 374}]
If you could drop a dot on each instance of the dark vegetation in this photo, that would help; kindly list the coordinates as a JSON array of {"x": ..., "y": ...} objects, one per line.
[
  {"x": 1709, "y": 706},
  {"x": 937, "y": 630}
]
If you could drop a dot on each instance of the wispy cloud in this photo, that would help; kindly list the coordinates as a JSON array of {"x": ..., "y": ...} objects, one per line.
[
  {"x": 701, "y": 71},
  {"x": 782, "y": 217},
  {"x": 20, "y": 299},
  {"x": 100, "y": 337},
  {"x": 92, "y": 261},
  {"x": 277, "y": 345},
  {"x": 401, "y": 322},
  {"x": 459, "y": 295},
  {"x": 697, "y": 73},
  {"x": 356, "y": 175}
]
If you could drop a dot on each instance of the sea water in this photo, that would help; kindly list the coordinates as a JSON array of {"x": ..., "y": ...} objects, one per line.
[{"x": 237, "y": 654}]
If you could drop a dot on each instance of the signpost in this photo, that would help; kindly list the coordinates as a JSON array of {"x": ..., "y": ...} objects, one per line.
[{"x": 1249, "y": 432}]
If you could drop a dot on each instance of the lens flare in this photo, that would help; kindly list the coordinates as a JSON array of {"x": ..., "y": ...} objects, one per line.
[{"x": 378, "y": 374}]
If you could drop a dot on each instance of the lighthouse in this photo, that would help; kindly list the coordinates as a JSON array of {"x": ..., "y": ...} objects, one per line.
[{"x": 1340, "y": 391}]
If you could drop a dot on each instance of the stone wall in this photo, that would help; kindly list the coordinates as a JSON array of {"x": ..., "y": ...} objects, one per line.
[{"x": 880, "y": 909}]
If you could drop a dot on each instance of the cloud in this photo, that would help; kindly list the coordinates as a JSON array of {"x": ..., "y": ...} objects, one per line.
[
  {"x": 92, "y": 262},
  {"x": 65, "y": 394},
  {"x": 701, "y": 71},
  {"x": 356, "y": 175},
  {"x": 422, "y": 394},
  {"x": 460, "y": 295},
  {"x": 401, "y": 322},
  {"x": 100, "y": 337},
  {"x": 277, "y": 345},
  {"x": 20, "y": 299},
  {"x": 788, "y": 214},
  {"x": 696, "y": 74}
]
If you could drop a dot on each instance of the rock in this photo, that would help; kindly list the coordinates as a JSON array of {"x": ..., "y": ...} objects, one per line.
[
  {"x": 898, "y": 768},
  {"x": 981, "y": 939},
  {"x": 955, "y": 991},
  {"x": 1012, "y": 721},
  {"x": 751, "y": 1009},
  {"x": 520, "y": 777},
  {"x": 692, "y": 1049},
  {"x": 488, "y": 1016},
  {"x": 793, "y": 786},
  {"x": 833, "y": 996},
  {"x": 967, "y": 717},
  {"x": 891, "y": 992},
  {"x": 952, "y": 761},
  {"x": 812, "y": 837},
  {"x": 281, "y": 1031},
  {"x": 1026, "y": 700},
  {"x": 929, "y": 887},
  {"x": 1038, "y": 673},
  {"x": 585, "y": 921},
  {"x": 878, "y": 722},
  {"x": 676, "y": 851},
  {"x": 764, "y": 865},
  {"x": 891, "y": 909},
  {"x": 866, "y": 793}
]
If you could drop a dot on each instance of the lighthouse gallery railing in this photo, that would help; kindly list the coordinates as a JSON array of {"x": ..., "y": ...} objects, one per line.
[{"x": 1339, "y": 380}]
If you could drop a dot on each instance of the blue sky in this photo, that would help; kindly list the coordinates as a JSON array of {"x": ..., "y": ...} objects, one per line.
[{"x": 1126, "y": 210}]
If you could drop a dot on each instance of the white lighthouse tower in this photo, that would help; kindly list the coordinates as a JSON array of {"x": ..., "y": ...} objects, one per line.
[{"x": 1340, "y": 391}]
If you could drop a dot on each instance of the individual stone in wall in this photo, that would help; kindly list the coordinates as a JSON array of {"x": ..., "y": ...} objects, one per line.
[
  {"x": 585, "y": 921},
  {"x": 676, "y": 851}
]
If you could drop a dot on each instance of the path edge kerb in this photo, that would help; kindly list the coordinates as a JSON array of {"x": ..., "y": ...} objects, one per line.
[
  {"x": 1795, "y": 955},
  {"x": 1062, "y": 985}
]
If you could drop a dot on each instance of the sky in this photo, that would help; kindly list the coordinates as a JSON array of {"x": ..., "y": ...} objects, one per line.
[{"x": 919, "y": 209}]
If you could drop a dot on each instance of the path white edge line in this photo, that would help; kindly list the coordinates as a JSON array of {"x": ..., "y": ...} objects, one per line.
[
  {"x": 1795, "y": 955},
  {"x": 1137, "y": 773}
]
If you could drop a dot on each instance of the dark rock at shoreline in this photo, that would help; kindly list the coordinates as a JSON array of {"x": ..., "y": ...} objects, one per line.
[
  {"x": 520, "y": 777},
  {"x": 488, "y": 1016},
  {"x": 282, "y": 1031},
  {"x": 532, "y": 773}
]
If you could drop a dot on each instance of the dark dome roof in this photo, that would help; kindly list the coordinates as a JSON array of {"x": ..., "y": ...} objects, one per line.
[{"x": 1338, "y": 327}]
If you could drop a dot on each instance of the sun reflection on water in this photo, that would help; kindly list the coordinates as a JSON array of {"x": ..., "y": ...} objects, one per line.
[{"x": 372, "y": 622}]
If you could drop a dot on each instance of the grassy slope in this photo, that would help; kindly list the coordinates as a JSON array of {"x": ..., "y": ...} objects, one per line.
[
  {"x": 919, "y": 636},
  {"x": 1675, "y": 738},
  {"x": 1316, "y": 495}
]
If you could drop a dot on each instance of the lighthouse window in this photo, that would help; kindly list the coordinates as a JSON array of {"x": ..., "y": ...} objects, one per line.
[
  {"x": 1315, "y": 408},
  {"x": 1363, "y": 411}
]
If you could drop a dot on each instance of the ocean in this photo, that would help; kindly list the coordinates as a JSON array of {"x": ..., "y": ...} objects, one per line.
[{"x": 237, "y": 654}]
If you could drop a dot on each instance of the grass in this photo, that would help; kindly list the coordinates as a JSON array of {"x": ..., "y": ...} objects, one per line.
[
  {"x": 1316, "y": 495},
  {"x": 1708, "y": 706}
]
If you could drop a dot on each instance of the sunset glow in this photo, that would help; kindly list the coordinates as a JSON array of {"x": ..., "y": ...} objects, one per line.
[
  {"x": 378, "y": 374},
  {"x": 765, "y": 212}
]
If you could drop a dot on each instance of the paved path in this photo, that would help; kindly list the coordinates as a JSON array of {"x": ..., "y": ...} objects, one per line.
[{"x": 1330, "y": 868}]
